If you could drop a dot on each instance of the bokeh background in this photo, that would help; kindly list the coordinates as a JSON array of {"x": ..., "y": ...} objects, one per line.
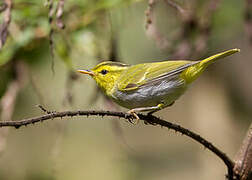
[{"x": 217, "y": 106}]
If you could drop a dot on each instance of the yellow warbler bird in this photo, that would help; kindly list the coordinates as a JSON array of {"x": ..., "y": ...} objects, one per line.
[{"x": 149, "y": 86}]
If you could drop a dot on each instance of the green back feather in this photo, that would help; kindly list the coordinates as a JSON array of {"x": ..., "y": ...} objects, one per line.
[{"x": 141, "y": 74}]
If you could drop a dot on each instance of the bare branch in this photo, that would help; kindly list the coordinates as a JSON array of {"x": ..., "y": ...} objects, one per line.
[
  {"x": 59, "y": 14},
  {"x": 181, "y": 10},
  {"x": 6, "y": 21},
  {"x": 243, "y": 160},
  {"x": 44, "y": 109},
  {"x": 149, "y": 119},
  {"x": 49, "y": 3}
]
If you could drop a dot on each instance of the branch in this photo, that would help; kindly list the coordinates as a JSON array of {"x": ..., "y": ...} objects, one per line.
[
  {"x": 149, "y": 119},
  {"x": 181, "y": 10},
  {"x": 243, "y": 162},
  {"x": 6, "y": 22},
  {"x": 51, "y": 12},
  {"x": 59, "y": 14}
]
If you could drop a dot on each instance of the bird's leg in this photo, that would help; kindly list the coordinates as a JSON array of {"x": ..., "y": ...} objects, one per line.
[{"x": 153, "y": 108}]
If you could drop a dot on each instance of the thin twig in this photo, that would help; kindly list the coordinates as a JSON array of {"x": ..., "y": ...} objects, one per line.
[
  {"x": 59, "y": 14},
  {"x": 44, "y": 110},
  {"x": 181, "y": 10},
  {"x": 6, "y": 22},
  {"x": 148, "y": 13},
  {"x": 50, "y": 20},
  {"x": 150, "y": 119}
]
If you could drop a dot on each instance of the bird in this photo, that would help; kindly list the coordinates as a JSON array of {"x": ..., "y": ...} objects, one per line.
[{"x": 149, "y": 87}]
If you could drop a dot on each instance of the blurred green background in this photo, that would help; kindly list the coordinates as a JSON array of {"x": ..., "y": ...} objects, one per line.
[{"x": 217, "y": 106}]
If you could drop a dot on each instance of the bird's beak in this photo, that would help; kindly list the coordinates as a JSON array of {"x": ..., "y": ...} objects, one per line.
[{"x": 91, "y": 73}]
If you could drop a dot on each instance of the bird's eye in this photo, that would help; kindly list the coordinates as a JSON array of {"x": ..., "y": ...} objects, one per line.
[{"x": 104, "y": 71}]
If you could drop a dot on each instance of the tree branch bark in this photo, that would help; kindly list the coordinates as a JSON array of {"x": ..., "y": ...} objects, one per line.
[
  {"x": 149, "y": 119},
  {"x": 243, "y": 160}
]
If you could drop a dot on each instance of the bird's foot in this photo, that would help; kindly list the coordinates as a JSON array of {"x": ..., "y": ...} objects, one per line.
[{"x": 133, "y": 113}]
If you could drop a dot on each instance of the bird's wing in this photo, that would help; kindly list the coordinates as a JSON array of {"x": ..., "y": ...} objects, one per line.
[{"x": 143, "y": 74}]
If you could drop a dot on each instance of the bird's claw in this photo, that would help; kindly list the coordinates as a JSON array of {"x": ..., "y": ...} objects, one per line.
[{"x": 133, "y": 113}]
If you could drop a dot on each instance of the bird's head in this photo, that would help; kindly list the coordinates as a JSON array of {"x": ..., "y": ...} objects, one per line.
[{"x": 106, "y": 74}]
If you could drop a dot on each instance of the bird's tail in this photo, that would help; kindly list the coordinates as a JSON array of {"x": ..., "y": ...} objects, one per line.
[{"x": 191, "y": 73}]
